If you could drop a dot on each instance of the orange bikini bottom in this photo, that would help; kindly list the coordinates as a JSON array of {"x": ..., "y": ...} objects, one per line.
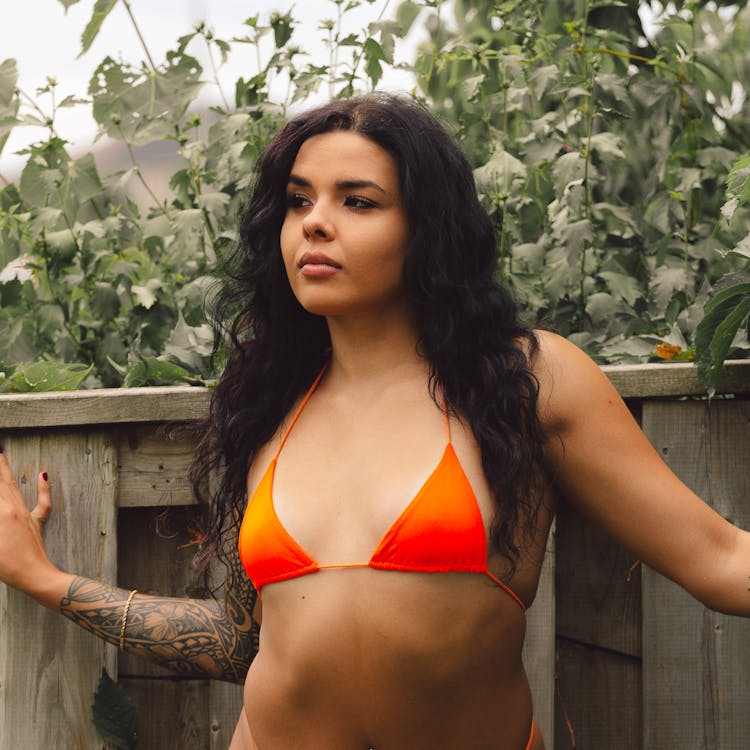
[{"x": 528, "y": 744}]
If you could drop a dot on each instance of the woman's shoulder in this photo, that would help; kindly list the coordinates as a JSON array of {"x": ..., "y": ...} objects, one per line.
[{"x": 570, "y": 382}]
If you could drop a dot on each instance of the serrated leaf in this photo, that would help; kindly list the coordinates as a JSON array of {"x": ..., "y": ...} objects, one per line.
[
  {"x": 373, "y": 55},
  {"x": 105, "y": 302},
  {"x": 666, "y": 281},
  {"x": 543, "y": 79},
  {"x": 151, "y": 371},
  {"x": 283, "y": 26},
  {"x": 728, "y": 209},
  {"x": 140, "y": 106},
  {"x": 738, "y": 180},
  {"x": 406, "y": 14},
  {"x": 145, "y": 294},
  {"x": 623, "y": 286},
  {"x": 501, "y": 174},
  {"x": 607, "y": 144},
  {"x": 568, "y": 168},
  {"x": 45, "y": 376},
  {"x": 8, "y": 81},
  {"x": 62, "y": 243},
  {"x": 114, "y": 714},
  {"x": 742, "y": 248},
  {"x": 102, "y": 9}
]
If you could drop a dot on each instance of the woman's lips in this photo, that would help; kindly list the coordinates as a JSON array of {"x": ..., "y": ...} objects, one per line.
[
  {"x": 317, "y": 265},
  {"x": 318, "y": 270}
]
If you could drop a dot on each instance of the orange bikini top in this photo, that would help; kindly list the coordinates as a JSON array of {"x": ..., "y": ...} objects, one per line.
[{"x": 440, "y": 530}]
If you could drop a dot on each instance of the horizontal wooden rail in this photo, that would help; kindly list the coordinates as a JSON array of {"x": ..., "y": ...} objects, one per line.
[{"x": 179, "y": 403}]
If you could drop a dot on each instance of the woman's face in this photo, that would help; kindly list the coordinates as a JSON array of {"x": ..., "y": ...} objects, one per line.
[{"x": 345, "y": 233}]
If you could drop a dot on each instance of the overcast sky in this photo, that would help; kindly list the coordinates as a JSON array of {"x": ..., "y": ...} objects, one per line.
[{"x": 45, "y": 41}]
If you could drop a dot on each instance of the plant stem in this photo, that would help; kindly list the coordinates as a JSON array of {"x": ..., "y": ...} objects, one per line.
[
  {"x": 361, "y": 53},
  {"x": 586, "y": 162},
  {"x": 215, "y": 71},
  {"x": 204, "y": 215},
  {"x": 48, "y": 121},
  {"x": 58, "y": 301},
  {"x": 126, "y": 3},
  {"x": 141, "y": 178},
  {"x": 584, "y": 50}
]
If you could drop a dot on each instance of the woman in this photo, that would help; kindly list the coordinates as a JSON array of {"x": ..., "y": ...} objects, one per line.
[{"x": 403, "y": 441}]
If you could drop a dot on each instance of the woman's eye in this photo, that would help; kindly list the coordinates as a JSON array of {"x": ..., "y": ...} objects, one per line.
[
  {"x": 356, "y": 201},
  {"x": 295, "y": 200}
]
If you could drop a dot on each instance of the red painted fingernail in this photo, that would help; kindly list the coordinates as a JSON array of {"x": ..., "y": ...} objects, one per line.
[{"x": 44, "y": 476}]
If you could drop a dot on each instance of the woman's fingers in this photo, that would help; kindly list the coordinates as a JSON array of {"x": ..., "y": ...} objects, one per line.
[
  {"x": 6, "y": 475},
  {"x": 43, "y": 506},
  {"x": 12, "y": 495}
]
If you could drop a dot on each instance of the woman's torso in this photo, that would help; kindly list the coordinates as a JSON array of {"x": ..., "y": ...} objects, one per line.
[{"x": 359, "y": 658}]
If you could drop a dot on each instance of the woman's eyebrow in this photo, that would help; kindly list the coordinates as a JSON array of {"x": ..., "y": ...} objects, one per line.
[{"x": 340, "y": 185}]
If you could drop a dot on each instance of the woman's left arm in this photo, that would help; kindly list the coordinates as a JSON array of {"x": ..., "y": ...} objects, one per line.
[{"x": 605, "y": 466}]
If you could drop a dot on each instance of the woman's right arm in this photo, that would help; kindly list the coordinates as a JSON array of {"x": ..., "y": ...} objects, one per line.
[{"x": 195, "y": 637}]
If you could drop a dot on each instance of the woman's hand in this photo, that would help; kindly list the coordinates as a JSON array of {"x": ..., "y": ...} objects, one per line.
[{"x": 23, "y": 560}]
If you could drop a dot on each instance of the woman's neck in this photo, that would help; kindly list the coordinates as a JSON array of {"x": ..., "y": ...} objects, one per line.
[{"x": 368, "y": 352}]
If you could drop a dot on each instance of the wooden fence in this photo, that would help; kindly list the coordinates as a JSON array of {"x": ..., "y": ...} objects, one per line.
[{"x": 619, "y": 658}]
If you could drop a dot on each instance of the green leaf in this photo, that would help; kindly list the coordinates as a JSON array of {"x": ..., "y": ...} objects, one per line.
[
  {"x": 373, "y": 55},
  {"x": 623, "y": 286},
  {"x": 568, "y": 168},
  {"x": 283, "y": 26},
  {"x": 502, "y": 174},
  {"x": 114, "y": 714},
  {"x": 607, "y": 144},
  {"x": 406, "y": 14},
  {"x": 543, "y": 79},
  {"x": 140, "y": 106},
  {"x": 85, "y": 179},
  {"x": 726, "y": 293},
  {"x": 722, "y": 326},
  {"x": 738, "y": 180},
  {"x": 102, "y": 9},
  {"x": 105, "y": 302},
  {"x": 45, "y": 376},
  {"x": 667, "y": 280},
  {"x": 145, "y": 294},
  {"x": 67, "y": 3},
  {"x": 8, "y": 81},
  {"x": 152, "y": 371}
]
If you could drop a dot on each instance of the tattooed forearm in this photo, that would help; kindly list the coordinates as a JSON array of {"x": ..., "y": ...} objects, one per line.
[{"x": 190, "y": 636}]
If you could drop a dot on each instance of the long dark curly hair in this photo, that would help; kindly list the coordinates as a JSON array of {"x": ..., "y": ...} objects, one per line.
[{"x": 478, "y": 352}]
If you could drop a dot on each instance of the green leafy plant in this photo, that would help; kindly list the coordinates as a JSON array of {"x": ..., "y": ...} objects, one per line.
[
  {"x": 114, "y": 714},
  {"x": 612, "y": 160}
]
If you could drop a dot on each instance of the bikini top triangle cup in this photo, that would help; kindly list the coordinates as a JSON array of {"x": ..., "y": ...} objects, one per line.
[{"x": 440, "y": 530}]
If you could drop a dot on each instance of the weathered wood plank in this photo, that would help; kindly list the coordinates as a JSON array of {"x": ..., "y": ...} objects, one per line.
[
  {"x": 49, "y": 668},
  {"x": 154, "y": 556},
  {"x": 598, "y": 589},
  {"x": 539, "y": 648},
  {"x": 171, "y": 713},
  {"x": 183, "y": 403},
  {"x": 153, "y": 466},
  {"x": 674, "y": 379},
  {"x": 589, "y": 714},
  {"x": 103, "y": 406},
  {"x": 225, "y": 705},
  {"x": 697, "y": 662}
]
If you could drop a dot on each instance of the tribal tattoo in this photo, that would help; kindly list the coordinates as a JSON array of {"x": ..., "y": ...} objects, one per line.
[{"x": 194, "y": 637}]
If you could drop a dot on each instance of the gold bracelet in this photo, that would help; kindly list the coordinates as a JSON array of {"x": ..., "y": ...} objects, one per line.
[{"x": 125, "y": 619}]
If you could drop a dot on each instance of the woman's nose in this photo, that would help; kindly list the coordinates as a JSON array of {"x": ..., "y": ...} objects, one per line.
[{"x": 316, "y": 225}]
